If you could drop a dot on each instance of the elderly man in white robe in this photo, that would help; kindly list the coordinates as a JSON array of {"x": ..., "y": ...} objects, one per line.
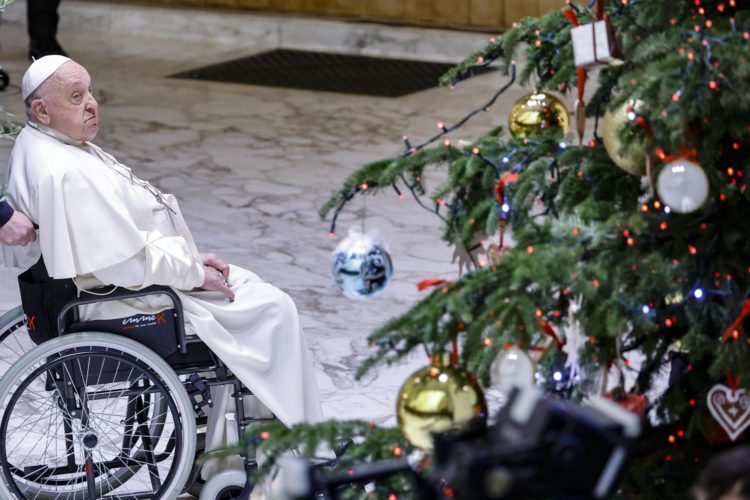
[{"x": 100, "y": 224}]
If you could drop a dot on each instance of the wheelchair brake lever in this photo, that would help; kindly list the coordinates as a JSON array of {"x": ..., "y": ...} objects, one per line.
[{"x": 198, "y": 386}]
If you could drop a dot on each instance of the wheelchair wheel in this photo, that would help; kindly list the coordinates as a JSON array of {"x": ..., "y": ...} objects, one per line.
[
  {"x": 14, "y": 338},
  {"x": 226, "y": 485},
  {"x": 94, "y": 414},
  {"x": 15, "y": 341}
]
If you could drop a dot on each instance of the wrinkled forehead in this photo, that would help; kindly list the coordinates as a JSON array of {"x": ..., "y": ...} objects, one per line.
[{"x": 72, "y": 74}]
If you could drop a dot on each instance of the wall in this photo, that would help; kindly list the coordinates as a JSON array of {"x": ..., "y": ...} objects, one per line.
[{"x": 461, "y": 13}]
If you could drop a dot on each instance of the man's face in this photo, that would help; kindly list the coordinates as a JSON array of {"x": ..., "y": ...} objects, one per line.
[{"x": 71, "y": 108}]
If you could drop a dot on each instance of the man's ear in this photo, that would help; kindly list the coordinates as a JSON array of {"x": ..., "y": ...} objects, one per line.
[{"x": 39, "y": 109}]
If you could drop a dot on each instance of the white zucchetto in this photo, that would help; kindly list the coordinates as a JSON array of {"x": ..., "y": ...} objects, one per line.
[{"x": 39, "y": 71}]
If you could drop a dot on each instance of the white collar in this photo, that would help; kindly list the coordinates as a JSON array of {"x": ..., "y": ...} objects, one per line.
[
  {"x": 53, "y": 133},
  {"x": 106, "y": 158}
]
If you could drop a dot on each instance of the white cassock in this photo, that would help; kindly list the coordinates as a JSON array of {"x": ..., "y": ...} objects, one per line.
[{"x": 101, "y": 225}]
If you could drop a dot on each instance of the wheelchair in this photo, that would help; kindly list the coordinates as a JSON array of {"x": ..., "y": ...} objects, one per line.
[{"x": 107, "y": 409}]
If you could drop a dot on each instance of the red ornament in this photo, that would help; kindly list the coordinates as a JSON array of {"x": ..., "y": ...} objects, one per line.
[
  {"x": 631, "y": 402},
  {"x": 714, "y": 434}
]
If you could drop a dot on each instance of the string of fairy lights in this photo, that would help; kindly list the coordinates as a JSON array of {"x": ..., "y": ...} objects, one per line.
[
  {"x": 412, "y": 149},
  {"x": 701, "y": 40},
  {"x": 414, "y": 187},
  {"x": 696, "y": 292},
  {"x": 663, "y": 309}
]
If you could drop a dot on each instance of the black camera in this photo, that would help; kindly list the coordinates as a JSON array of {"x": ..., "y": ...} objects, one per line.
[{"x": 539, "y": 447}]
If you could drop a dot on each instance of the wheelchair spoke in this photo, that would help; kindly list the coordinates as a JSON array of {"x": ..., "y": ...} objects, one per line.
[
  {"x": 111, "y": 479},
  {"x": 86, "y": 421},
  {"x": 23, "y": 439},
  {"x": 14, "y": 341},
  {"x": 52, "y": 458}
]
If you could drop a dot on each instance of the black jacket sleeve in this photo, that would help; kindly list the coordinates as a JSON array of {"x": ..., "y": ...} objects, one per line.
[{"x": 6, "y": 212}]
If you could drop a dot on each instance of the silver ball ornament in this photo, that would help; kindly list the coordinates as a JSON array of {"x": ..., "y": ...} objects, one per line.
[
  {"x": 512, "y": 368},
  {"x": 683, "y": 186},
  {"x": 362, "y": 267}
]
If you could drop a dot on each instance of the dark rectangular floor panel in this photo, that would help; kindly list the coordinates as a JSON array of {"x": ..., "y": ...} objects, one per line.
[{"x": 348, "y": 74}]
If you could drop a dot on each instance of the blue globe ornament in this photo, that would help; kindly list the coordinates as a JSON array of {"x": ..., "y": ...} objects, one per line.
[{"x": 362, "y": 267}]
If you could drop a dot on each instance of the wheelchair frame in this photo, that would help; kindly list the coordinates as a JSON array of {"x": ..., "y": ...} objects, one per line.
[{"x": 195, "y": 384}]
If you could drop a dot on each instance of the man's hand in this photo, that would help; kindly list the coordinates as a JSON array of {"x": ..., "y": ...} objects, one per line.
[
  {"x": 215, "y": 282},
  {"x": 19, "y": 230},
  {"x": 217, "y": 272},
  {"x": 213, "y": 260}
]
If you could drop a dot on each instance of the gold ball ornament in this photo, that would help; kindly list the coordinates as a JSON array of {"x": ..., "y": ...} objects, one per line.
[
  {"x": 536, "y": 112},
  {"x": 438, "y": 398},
  {"x": 631, "y": 158}
]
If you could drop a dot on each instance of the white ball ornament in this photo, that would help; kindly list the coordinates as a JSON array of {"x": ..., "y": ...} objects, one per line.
[
  {"x": 512, "y": 368},
  {"x": 362, "y": 267},
  {"x": 682, "y": 186}
]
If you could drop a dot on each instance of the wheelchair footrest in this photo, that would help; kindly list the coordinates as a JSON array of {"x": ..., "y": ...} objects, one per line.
[{"x": 250, "y": 420}]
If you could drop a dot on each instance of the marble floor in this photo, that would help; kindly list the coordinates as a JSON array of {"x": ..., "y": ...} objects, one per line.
[{"x": 252, "y": 165}]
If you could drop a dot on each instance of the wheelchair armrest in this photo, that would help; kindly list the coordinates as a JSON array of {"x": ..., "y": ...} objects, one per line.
[{"x": 124, "y": 293}]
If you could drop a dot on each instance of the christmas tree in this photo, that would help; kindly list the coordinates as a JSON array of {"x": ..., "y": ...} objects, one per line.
[{"x": 630, "y": 254}]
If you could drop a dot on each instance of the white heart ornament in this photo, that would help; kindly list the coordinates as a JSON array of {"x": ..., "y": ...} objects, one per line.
[{"x": 731, "y": 408}]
